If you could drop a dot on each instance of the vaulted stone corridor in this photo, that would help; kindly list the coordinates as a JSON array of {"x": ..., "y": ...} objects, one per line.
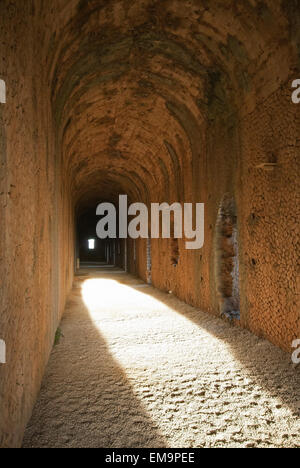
[{"x": 162, "y": 101}]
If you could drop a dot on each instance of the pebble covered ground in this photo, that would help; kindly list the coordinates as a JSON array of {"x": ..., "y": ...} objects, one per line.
[{"x": 136, "y": 367}]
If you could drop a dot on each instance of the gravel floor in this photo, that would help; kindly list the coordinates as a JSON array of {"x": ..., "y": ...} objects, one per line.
[{"x": 138, "y": 368}]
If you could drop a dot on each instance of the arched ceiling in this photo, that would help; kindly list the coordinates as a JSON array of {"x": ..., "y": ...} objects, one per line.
[{"x": 134, "y": 85}]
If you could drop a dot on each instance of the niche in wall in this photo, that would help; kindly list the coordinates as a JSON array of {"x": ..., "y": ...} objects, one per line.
[
  {"x": 227, "y": 259},
  {"x": 149, "y": 261},
  {"x": 174, "y": 252}
]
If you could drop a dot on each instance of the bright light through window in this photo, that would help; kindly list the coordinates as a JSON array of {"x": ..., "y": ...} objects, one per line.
[{"x": 91, "y": 244}]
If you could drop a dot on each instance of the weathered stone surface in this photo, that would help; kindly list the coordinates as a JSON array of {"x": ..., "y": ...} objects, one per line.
[
  {"x": 146, "y": 370},
  {"x": 167, "y": 100}
]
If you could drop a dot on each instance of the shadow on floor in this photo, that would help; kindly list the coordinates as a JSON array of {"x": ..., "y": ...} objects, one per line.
[
  {"x": 97, "y": 410},
  {"x": 101, "y": 409}
]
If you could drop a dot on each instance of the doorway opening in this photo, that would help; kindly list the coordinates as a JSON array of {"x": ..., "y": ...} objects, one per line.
[
  {"x": 174, "y": 252},
  {"x": 90, "y": 251},
  {"x": 227, "y": 259}
]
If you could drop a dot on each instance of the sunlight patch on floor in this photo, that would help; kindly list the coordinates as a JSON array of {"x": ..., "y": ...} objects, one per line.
[{"x": 147, "y": 370}]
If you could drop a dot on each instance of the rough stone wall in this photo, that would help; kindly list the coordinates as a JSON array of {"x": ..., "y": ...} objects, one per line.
[
  {"x": 27, "y": 224},
  {"x": 31, "y": 300},
  {"x": 269, "y": 221}
]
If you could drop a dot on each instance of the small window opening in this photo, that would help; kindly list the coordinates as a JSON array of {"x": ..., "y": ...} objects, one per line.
[{"x": 91, "y": 244}]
